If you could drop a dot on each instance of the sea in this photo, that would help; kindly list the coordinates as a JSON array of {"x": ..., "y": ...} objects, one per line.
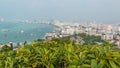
[{"x": 21, "y": 32}]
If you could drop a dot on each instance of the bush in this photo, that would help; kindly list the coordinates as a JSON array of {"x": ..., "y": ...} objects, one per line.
[{"x": 55, "y": 54}]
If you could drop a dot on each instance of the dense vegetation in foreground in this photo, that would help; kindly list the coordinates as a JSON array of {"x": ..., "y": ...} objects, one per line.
[{"x": 64, "y": 54}]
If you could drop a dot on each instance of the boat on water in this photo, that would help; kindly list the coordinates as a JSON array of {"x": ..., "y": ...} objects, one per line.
[
  {"x": 5, "y": 30},
  {"x": 22, "y": 31}
]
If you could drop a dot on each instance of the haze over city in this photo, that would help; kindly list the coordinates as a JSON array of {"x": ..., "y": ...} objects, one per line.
[
  {"x": 66, "y": 10},
  {"x": 59, "y": 33}
]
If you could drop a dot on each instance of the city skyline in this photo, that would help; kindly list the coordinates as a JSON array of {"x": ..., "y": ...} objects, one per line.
[{"x": 65, "y": 10}]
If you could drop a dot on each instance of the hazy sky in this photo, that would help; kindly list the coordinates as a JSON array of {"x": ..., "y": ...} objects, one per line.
[{"x": 69, "y": 10}]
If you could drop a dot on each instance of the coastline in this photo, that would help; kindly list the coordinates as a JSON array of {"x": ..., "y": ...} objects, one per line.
[{"x": 28, "y": 31}]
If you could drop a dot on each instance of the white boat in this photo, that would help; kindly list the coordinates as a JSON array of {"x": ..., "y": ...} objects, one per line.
[
  {"x": 22, "y": 31},
  {"x": 4, "y": 30}
]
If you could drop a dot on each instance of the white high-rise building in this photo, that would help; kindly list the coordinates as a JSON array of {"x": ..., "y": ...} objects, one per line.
[{"x": 118, "y": 28}]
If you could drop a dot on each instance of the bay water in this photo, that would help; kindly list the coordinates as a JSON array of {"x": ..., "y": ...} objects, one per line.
[{"x": 20, "y": 32}]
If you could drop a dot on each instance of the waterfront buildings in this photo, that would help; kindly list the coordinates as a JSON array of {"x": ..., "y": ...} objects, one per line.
[{"x": 107, "y": 31}]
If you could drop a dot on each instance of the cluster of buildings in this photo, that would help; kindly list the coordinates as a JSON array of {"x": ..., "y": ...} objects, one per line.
[
  {"x": 13, "y": 45},
  {"x": 10, "y": 44},
  {"x": 110, "y": 32}
]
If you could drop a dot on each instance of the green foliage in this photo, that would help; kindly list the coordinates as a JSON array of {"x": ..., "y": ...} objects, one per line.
[
  {"x": 90, "y": 39},
  {"x": 5, "y": 48},
  {"x": 40, "y": 40},
  {"x": 57, "y": 54}
]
